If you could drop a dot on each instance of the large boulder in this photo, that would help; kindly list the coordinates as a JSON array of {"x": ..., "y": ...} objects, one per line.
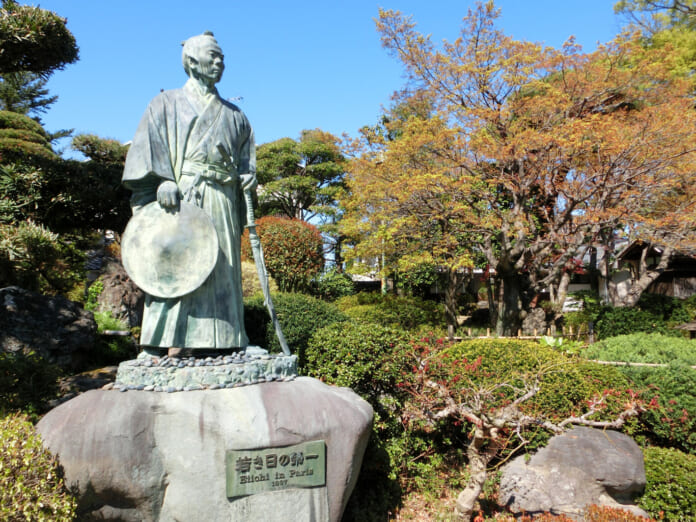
[
  {"x": 146, "y": 456},
  {"x": 54, "y": 327},
  {"x": 581, "y": 467}
]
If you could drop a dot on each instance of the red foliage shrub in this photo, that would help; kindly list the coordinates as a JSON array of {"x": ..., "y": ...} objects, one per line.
[{"x": 292, "y": 251}]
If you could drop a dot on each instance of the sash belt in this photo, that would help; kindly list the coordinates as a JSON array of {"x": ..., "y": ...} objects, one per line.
[{"x": 208, "y": 171}]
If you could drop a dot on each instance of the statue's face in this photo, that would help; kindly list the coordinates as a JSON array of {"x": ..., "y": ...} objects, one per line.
[{"x": 209, "y": 62}]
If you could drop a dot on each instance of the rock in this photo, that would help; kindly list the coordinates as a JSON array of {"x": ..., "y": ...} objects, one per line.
[
  {"x": 613, "y": 459},
  {"x": 534, "y": 322},
  {"x": 120, "y": 296},
  {"x": 582, "y": 467},
  {"x": 59, "y": 330},
  {"x": 149, "y": 456}
]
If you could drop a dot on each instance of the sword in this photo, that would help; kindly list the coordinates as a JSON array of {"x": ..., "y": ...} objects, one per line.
[
  {"x": 261, "y": 270},
  {"x": 258, "y": 257}
]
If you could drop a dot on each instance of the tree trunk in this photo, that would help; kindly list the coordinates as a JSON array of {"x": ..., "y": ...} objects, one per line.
[
  {"x": 454, "y": 283},
  {"x": 491, "y": 292},
  {"x": 559, "y": 294},
  {"x": 479, "y": 458},
  {"x": 509, "y": 304},
  {"x": 645, "y": 277}
]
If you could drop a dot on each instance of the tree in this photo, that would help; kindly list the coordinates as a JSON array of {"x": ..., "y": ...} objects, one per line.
[
  {"x": 299, "y": 179},
  {"x": 415, "y": 213},
  {"x": 24, "y": 93},
  {"x": 302, "y": 180},
  {"x": 34, "y": 40},
  {"x": 539, "y": 150},
  {"x": 656, "y": 15}
]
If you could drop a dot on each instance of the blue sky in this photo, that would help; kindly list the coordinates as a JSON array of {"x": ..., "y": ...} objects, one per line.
[{"x": 294, "y": 65}]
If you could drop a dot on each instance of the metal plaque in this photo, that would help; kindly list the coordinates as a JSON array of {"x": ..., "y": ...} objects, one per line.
[{"x": 254, "y": 471}]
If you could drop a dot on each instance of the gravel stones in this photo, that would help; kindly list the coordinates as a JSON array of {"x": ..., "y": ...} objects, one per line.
[{"x": 175, "y": 374}]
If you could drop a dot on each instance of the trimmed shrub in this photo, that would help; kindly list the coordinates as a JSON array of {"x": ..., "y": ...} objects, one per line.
[
  {"x": 293, "y": 251},
  {"x": 620, "y": 321},
  {"x": 409, "y": 313},
  {"x": 368, "y": 358},
  {"x": 22, "y": 139},
  {"x": 372, "y": 360},
  {"x": 333, "y": 284},
  {"x": 34, "y": 39},
  {"x": 672, "y": 419},
  {"x": 299, "y": 316},
  {"x": 643, "y": 348},
  {"x": 31, "y": 481},
  {"x": 566, "y": 385},
  {"x": 250, "y": 280},
  {"x": 14, "y": 120},
  {"x": 670, "y": 493}
]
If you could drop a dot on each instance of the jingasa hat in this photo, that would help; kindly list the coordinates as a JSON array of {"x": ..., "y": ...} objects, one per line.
[{"x": 169, "y": 253}]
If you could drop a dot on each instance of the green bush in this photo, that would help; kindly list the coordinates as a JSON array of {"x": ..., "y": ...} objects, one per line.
[
  {"x": 333, "y": 284},
  {"x": 620, "y": 321},
  {"x": 566, "y": 383},
  {"x": 23, "y": 139},
  {"x": 299, "y": 316},
  {"x": 368, "y": 358},
  {"x": 643, "y": 348},
  {"x": 34, "y": 258},
  {"x": 670, "y": 493},
  {"x": 21, "y": 189},
  {"x": 673, "y": 310},
  {"x": 27, "y": 382},
  {"x": 409, "y": 313},
  {"x": 372, "y": 360},
  {"x": 419, "y": 278},
  {"x": 671, "y": 421},
  {"x": 31, "y": 481}
]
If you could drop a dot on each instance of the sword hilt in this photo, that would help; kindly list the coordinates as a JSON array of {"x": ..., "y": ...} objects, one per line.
[{"x": 249, "y": 208}]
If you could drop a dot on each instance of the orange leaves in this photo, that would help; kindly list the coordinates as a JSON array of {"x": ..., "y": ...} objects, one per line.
[{"x": 521, "y": 154}]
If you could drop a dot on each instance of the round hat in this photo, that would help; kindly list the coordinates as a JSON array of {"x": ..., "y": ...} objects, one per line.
[{"x": 169, "y": 253}]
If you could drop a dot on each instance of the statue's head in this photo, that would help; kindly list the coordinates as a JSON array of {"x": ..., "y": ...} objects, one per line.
[{"x": 203, "y": 58}]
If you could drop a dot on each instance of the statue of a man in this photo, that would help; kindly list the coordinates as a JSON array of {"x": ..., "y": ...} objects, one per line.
[{"x": 191, "y": 143}]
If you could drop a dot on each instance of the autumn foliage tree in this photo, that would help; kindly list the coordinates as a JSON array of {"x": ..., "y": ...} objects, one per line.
[{"x": 529, "y": 154}]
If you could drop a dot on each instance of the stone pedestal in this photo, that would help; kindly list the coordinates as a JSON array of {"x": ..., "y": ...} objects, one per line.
[{"x": 150, "y": 456}]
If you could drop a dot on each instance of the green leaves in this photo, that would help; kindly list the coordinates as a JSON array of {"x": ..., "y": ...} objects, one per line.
[
  {"x": 298, "y": 178},
  {"x": 31, "y": 481},
  {"x": 670, "y": 492},
  {"x": 34, "y": 39}
]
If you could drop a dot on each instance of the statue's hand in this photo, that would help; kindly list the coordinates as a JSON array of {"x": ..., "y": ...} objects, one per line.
[
  {"x": 248, "y": 181},
  {"x": 168, "y": 194}
]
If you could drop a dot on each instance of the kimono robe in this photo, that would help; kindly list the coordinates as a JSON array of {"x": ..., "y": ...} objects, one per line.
[{"x": 180, "y": 138}]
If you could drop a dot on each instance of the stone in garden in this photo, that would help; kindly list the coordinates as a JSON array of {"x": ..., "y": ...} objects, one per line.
[
  {"x": 57, "y": 329},
  {"x": 120, "y": 296},
  {"x": 146, "y": 456},
  {"x": 581, "y": 467}
]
